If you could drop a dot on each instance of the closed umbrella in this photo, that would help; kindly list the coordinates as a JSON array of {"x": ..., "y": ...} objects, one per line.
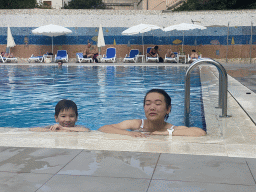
[
  {"x": 184, "y": 27},
  {"x": 51, "y": 31},
  {"x": 10, "y": 40},
  {"x": 101, "y": 41},
  {"x": 141, "y": 28}
]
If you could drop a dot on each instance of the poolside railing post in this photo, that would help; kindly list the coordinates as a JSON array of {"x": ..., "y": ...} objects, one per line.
[
  {"x": 187, "y": 100},
  {"x": 223, "y": 87}
]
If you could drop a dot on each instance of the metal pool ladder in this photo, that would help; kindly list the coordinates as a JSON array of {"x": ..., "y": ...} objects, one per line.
[{"x": 223, "y": 87}]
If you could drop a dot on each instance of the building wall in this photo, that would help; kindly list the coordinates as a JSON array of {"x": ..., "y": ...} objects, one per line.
[
  {"x": 121, "y": 4},
  {"x": 84, "y": 24},
  {"x": 56, "y": 4}
]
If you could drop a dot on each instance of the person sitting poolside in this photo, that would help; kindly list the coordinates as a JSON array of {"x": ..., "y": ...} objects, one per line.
[
  {"x": 157, "y": 106},
  {"x": 7, "y": 55},
  {"x": 153, "y": 52},
  {"x": 88, "y": 53},
  {"x": 170, "y": 53},
  {"x": 66, "y": 116},
  {"x": 194, "y": 54}
]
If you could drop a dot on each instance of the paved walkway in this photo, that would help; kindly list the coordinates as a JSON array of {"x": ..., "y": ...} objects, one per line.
[
  {"x": 65, "y": 170},
  {"x": 244, "y": 73},
  {"x": 41, "y": 168}
]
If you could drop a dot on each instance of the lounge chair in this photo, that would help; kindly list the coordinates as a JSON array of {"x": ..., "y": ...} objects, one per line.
[
  {"x": 61, "y": 55},
  {"x": 132, "y": 56},
  {"x": 172, "y": 59},
  {"x": 190, "y": 60},
  {"x": 110, "y": 55},
  {"x": 79, "y": 58},
  {"x": 33, "y": 58},
  {"x": 8, "y": 59},
  {"x": 156, "y": 59}
]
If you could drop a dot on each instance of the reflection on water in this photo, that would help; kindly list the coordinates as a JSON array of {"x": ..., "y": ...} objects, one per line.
[
  {"x": 104, "y": 94},
  {"x": 117, "y": 163}
]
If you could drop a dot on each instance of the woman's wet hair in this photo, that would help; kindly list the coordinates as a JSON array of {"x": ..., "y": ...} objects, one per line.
[
  {"x": 65, "y": 105},
  {"x": 167, "y": 98}
]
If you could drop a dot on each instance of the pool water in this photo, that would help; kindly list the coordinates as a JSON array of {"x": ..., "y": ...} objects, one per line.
[{"x": 103, "y": 94}]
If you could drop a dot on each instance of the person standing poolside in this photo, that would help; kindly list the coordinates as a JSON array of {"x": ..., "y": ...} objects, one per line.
[
  {"x": 66, "y": 116},
  {"x": 157, "y": 106}
]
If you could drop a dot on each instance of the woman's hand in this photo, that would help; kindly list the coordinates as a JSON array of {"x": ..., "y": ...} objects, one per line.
[
  {"x": 159, "y": 133},
  {"x": 137, "y": 134}
]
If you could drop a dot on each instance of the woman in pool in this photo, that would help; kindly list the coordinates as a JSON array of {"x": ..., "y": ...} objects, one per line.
[
  {"x": 65, "y": 116},
  {"x": 157, "y": 106}
]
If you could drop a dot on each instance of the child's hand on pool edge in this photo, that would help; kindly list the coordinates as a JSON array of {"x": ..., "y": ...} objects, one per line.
[{"x": 56, "y": 127}]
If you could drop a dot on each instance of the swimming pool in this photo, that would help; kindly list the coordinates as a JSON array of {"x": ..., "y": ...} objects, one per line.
[{"x": 103, "y": 94}]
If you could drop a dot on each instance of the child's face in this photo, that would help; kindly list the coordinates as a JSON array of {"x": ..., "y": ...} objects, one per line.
[{"x": 66, "y": 118}]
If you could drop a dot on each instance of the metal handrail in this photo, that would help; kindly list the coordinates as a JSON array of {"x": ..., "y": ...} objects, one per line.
[{"x": 223, "y": 87}]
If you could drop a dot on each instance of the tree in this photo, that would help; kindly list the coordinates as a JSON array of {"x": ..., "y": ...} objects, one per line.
[
  {"x": 85, "y": 4},
  {"x": 192, "y": 5},
  {"x": 17, "y": 4}
]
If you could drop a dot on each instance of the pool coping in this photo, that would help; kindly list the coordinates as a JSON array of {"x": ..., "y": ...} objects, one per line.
[{"x": 233, "y": 137}]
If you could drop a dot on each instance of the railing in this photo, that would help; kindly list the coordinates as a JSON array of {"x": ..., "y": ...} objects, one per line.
[{"x": 223, "y": 86}]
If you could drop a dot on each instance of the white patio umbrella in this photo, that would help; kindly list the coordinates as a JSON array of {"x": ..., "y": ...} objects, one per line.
[
  {"x": 101, "y": 41},
  {"x": 183, "y": 27},
  {"x": 141, "y": 28},
  {"x": 10, "y": 40},
  {"x": 51, "y": 31}
]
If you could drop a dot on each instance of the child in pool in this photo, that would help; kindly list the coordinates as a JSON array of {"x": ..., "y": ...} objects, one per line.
[{"x": 66, "y": 116}]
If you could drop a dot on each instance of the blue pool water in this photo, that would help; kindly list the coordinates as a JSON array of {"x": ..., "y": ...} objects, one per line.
[{"x": 103, "y": 94}]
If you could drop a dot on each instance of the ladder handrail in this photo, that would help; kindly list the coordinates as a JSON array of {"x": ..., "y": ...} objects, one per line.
[{"x": 223, "y": 87}]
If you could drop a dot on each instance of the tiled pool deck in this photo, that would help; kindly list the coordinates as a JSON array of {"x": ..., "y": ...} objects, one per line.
[{"x": 224, "y": 160}]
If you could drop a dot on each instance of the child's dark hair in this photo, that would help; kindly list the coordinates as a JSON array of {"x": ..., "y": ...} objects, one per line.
[
  {"x": 65, "y": 105},
  {"x": 167, "y": 98}
]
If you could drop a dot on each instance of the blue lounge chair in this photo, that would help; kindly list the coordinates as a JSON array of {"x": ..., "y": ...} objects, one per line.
[
  {"x": 156, "y": 59},
  {"x": 79, "y": 58},
  {"x": 172, "y": 59},
  {"x": 61, "y": 55},
  {"x": 110, "y": 55},
  {"x": 132, "y": 56},
  {"x": 36, "y": 59}
]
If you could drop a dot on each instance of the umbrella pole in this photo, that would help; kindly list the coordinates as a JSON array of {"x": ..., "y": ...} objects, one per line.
[
  {"x": 182, "y": 42},
  {"x": 227, "y": 44},
  {"x": 250, "y": 46},
  {"x": 143, "y": 44},
  {"x": 52, "y": 44}
]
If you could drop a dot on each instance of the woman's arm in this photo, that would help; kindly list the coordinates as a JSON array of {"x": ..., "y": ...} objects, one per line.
[
  {"x": 121, "y": 128},
  {"x": 188, "y": 131},
  {"x": 183, "y": 131}
]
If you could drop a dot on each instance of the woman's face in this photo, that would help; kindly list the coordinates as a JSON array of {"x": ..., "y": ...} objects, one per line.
[{"x": 155, "y": 107}]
